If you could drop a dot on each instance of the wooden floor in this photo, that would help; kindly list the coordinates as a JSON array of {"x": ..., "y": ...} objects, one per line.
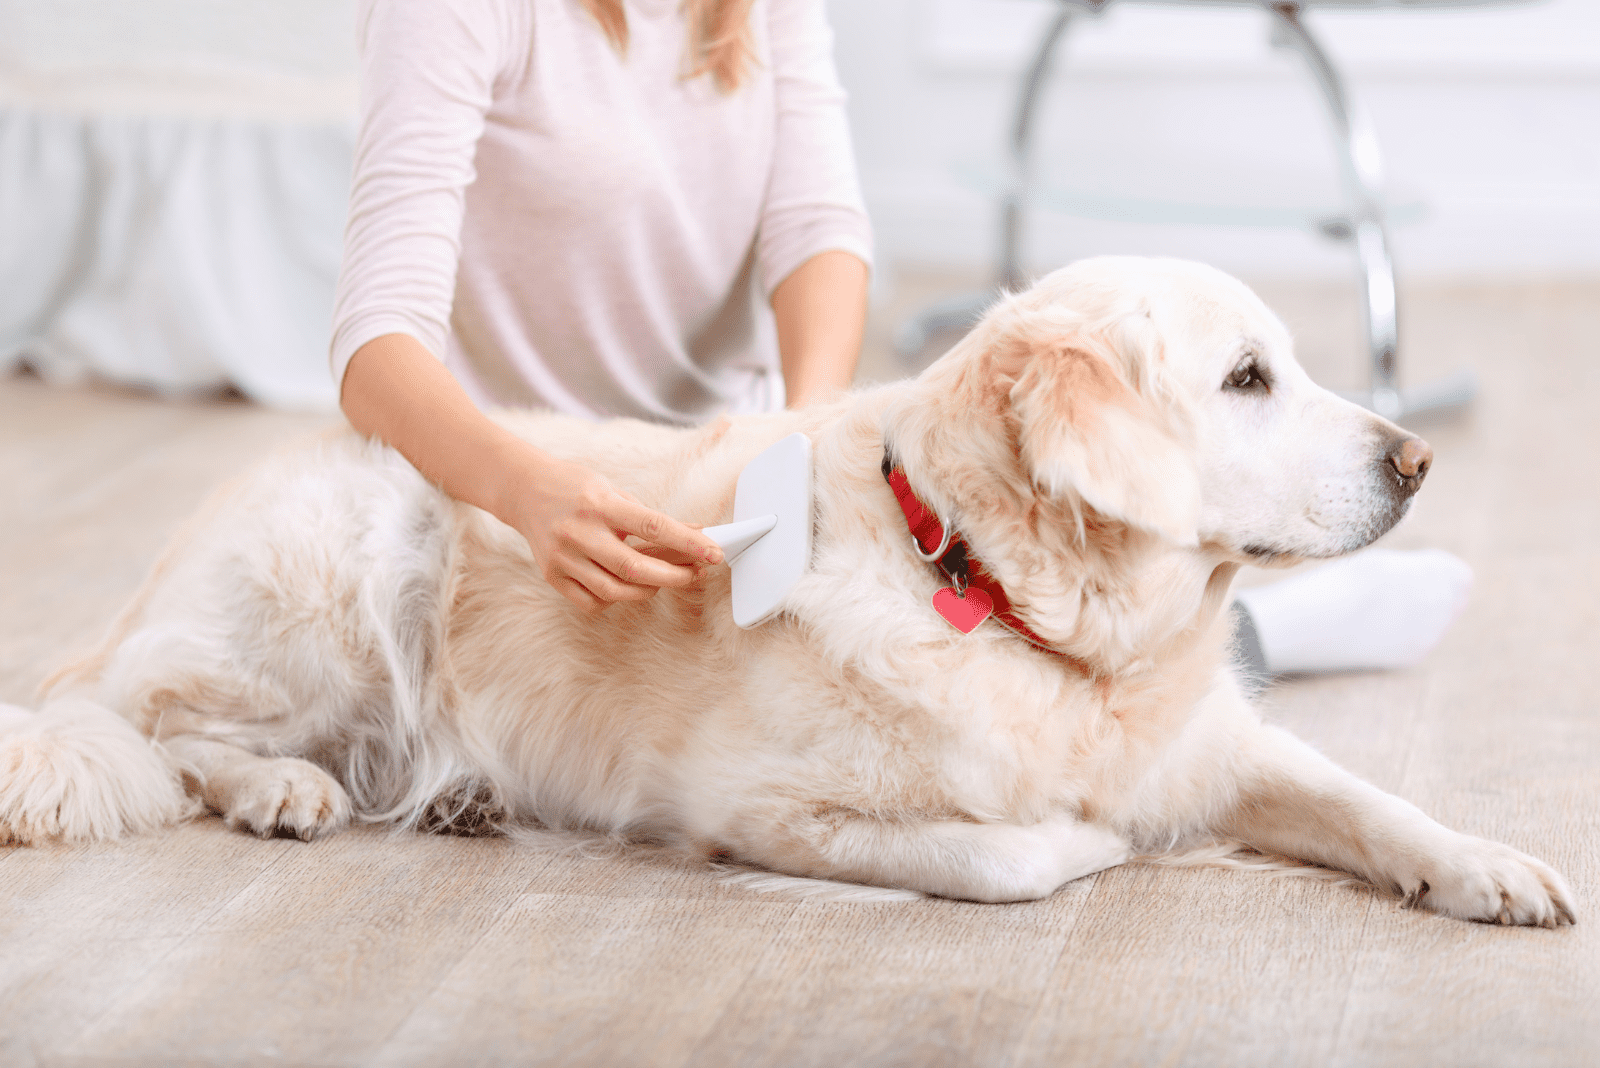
[{"x": 200, "y": 946}]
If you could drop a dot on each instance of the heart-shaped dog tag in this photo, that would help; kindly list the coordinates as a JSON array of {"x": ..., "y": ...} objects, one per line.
[{"x": 963, "y": 612}]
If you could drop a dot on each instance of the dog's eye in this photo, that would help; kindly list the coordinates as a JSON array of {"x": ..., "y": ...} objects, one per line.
[{"x": 1247, "y": 376}]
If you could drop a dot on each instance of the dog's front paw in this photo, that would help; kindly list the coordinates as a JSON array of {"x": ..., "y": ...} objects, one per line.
[
  {"x": 287, "y": 796},
  {"x": 1492, "y": 883}
]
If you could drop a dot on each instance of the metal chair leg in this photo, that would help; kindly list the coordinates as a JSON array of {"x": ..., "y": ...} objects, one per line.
[{"x": 1366, "y": 227}]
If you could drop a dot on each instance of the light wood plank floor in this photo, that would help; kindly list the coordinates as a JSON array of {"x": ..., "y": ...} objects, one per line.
[{"x": 200, "y": 946}]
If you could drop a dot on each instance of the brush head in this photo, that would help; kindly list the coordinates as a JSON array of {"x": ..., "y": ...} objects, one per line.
[{"x": 775, "y": 484}]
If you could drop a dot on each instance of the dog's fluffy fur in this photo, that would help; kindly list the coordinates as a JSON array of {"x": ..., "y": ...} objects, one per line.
[{"x": 334, "y": 637}]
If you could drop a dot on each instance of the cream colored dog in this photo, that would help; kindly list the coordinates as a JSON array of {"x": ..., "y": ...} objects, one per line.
[{"x": 335, "y": 637}]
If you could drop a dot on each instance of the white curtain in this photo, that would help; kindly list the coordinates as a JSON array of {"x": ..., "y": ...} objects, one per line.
[{"x": 181, "y": 254}]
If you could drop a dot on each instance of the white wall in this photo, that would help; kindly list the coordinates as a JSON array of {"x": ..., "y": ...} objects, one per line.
[
  {"x": 282, "y": 60},
  {"x": 1161, "y": 115}
]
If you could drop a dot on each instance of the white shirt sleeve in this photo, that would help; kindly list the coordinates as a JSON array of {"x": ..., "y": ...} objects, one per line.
[
  {"x": 433, "y": 74},
  {"x": 813, "y": 201},
  {"x": 427, "y": 74}
]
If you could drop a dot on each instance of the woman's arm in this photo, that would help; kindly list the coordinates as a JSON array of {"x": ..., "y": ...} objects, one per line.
[
  {"x": 573, "y": 518},
  {"x": 814, "y": 244},
  {"x": 821, "y": 309}
]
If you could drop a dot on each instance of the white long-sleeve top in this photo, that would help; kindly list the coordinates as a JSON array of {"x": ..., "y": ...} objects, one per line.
[{"x": 574, "y": 228}]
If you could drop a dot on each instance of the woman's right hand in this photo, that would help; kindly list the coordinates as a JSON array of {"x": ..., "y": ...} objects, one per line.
[{"x": 576, "y": 523}]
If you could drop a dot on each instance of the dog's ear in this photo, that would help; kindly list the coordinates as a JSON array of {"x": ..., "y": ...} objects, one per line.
[{"x": 1085, "y": 430}]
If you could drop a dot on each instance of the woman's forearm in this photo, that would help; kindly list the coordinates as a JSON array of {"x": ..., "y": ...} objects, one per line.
[
  {"x": 821, "y": 311},
  {"x": 396, "y": 391}
]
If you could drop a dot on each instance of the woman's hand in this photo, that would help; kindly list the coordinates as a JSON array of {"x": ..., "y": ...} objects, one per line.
[{"x": 576, "y": 521}]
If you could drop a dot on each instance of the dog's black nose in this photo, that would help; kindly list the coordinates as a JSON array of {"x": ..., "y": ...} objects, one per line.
[{"x": 1410, "y": 457}]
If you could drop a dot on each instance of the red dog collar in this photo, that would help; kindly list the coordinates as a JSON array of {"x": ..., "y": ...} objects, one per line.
[{"x": 948, "y": 550}]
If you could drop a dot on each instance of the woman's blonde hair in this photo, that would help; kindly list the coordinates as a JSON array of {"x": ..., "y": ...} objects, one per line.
[{"x": 719, "y": 36}]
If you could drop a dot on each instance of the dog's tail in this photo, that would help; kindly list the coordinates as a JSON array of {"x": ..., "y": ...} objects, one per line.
[{"x": 76, "y": 771}]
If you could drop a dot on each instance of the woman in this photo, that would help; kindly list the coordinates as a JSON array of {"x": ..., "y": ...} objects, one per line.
[{"x": 650, "y": 209}]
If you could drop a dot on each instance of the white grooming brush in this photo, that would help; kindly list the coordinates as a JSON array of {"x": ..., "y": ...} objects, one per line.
[{"x": 768, "y": 544}]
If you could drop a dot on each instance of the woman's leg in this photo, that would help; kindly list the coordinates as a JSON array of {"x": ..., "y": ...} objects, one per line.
[{"x": 1383, "y": 608}]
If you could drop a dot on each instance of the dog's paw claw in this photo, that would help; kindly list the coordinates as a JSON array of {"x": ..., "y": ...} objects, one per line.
[{"x": 1414, "y": 896}]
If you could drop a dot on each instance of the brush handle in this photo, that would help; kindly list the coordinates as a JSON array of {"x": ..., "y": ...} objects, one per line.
[{"x": 735, "y": 538}]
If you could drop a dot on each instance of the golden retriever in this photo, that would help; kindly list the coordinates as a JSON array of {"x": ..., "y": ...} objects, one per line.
[{"x": 334, "y": 637}]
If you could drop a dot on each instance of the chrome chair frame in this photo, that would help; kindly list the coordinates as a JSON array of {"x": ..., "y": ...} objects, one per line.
[{"x": 1365, "y": 226}]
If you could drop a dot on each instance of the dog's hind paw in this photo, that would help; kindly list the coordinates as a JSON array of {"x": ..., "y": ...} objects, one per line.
[
  {"x": 468, "y": 808},
  {"x": 1492, "y": 883},
  {"x": 287, "y": 796}
]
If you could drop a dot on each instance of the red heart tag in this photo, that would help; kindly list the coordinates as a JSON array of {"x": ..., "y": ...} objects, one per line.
[{"x": 963, "y": 613}]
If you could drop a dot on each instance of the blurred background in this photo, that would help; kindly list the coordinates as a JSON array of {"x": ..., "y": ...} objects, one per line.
[
  {"x": 1160, "y": 118},
  {"x": 173, "y": 172}
]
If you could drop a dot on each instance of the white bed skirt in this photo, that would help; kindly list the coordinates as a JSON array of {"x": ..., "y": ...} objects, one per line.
[{"x": 182, "y": 254}]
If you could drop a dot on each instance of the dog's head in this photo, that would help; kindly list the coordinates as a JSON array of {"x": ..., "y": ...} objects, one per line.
[{"x": 1164, "y": 396}]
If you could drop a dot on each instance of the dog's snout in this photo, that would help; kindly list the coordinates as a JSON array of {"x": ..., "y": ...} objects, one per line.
[{"x": 1410, "y": 457}]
